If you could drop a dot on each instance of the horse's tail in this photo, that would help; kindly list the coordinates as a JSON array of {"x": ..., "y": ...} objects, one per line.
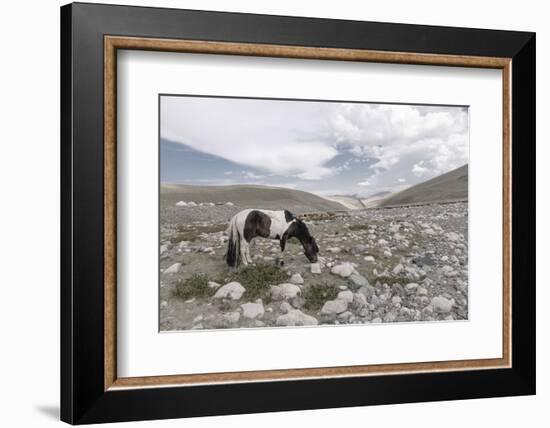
[{"x": 233, "y": 253}]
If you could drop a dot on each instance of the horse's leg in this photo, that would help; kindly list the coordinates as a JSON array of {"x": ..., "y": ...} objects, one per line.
[
  {"x": 244, "y": 251},
  {"x": 248, "y": 252}
]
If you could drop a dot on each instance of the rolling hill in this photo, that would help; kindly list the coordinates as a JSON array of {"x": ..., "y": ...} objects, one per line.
[
  {"x": 451, "y": 186},
  {"x": 248, "y": 196}
]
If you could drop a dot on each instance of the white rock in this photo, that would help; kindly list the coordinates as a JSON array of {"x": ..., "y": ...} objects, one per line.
[
  {"x": 382, "y": 242},
  {"x": 197, "y": 319},
  {"x": 334, "y": 250},
  {"x": 253, "y": 310},
  {"x": 315, "y": 268},
  {"x": 285, "y": 291},
  {"x": 346, "y": 296},
  {"x": 411, "y": 287},
  {"x": 358, "y": 280},
  {"x": 212, "y": 284},
  {"x": 285, "y": 307},
  {"x": 232, "y": 290},
  {"x": 297, "y": 279},
  {"x": 452, "y": 236},
  {"x": 191, "y": 204},
  {"x": 344, "y": 270},
  {"x": 393, "y": 228},
  {"x": 229, "y": 204},
  {"x": 163, "y": 304},
  {"x": 173, "y": 269},
  {"x": 232, "y": 317},
  {"x": 397, "y": 269},
  {"x": 398, "y": 237},
  {"x": 441, "y": 305},
  {"x": 369, "y": 259},
  {"x": 359, "y": 300},
  {"x": 181, "y": 204},
  {"x": 295, "y": 317},
  {"x": 387, "y": 253},
  {"x": 333, "y": 307},
  {"x": 376, "y": 320},
  {"x": 163, "y": 249},
  {"x": 396, "y": 300},
  {"x": 421, "y": 291}
]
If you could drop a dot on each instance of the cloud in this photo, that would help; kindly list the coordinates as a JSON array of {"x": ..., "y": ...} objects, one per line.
[
  {"x": 397, "y": 134},
  {"x": 252, "y": 176},
  {"x": 347, "y": 145},
  {"x": 418, "y": 169},
  {"x": 274, "y": 136}
]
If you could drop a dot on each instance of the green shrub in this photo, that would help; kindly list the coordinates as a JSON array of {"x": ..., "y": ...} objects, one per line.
[
  {"x": 194, "y": 286},
  {"x": 256, "y": 279},
  {"x": 390, "y": 280},
  {"x": 317, "y": 294}
]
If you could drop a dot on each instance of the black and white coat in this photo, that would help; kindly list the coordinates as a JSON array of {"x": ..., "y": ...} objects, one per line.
[{"x": 251, "y": 223}]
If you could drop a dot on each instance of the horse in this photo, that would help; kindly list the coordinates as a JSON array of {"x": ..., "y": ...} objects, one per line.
[{"x": 251, "y": 223}]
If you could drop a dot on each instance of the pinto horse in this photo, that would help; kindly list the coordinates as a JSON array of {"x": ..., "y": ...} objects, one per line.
[{"x": 282, "y": 225}]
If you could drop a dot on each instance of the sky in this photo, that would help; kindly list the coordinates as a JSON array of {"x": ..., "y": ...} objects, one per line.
[{"x": 330, "y": 148}]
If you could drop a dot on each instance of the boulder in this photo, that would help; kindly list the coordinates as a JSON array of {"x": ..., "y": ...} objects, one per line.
[
  {"x": 358, "y": 280},
  {"x": 231, "y": 317},
  {"x": 421, "y": 291},
  {"x": 344, "y": 270},
  {"x": 411, "y": 287},
  {"x": 214, "y": 285},
  {"x": 367, "y": 290},
  {"x": 285, "y": 307},
  {"x": 358, "y": 249},
  {"x": 442, "y": 305},
  {"x": 295, "y": 317},
  {"x": 359, "y": 301},
  {"x": 397, "y": 269},
  {"x": 175, "y": 268},
  {"x": 296, "y": 279},
  {"x": 232, "y": 290},
  {"x": 334, "y": 307},
  {"x": 453, "y": 237},
  {"x": 346, "y": 296},
  {"x": 284, "y": 291},
  {"x": 315, "y": 268},
  {"x": 253, "y": 310}
]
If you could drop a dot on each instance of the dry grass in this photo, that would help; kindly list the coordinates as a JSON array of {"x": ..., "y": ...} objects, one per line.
[{"x": 194, "y": 232}]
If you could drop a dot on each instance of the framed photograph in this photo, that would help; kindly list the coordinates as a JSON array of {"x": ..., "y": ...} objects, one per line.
[{"x": 266, "y": 213}]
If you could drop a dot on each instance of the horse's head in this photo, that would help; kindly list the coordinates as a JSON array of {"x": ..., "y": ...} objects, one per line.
[
  {"x": 299, "y": 230},
  {"x": 311, "y": 249}
]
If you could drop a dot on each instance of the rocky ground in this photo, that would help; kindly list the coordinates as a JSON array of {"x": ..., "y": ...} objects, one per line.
[{"x": 378, "y": 265}]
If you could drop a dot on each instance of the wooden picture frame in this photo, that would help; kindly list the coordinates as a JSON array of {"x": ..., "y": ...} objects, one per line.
[{"x": 91, "y": 390}]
